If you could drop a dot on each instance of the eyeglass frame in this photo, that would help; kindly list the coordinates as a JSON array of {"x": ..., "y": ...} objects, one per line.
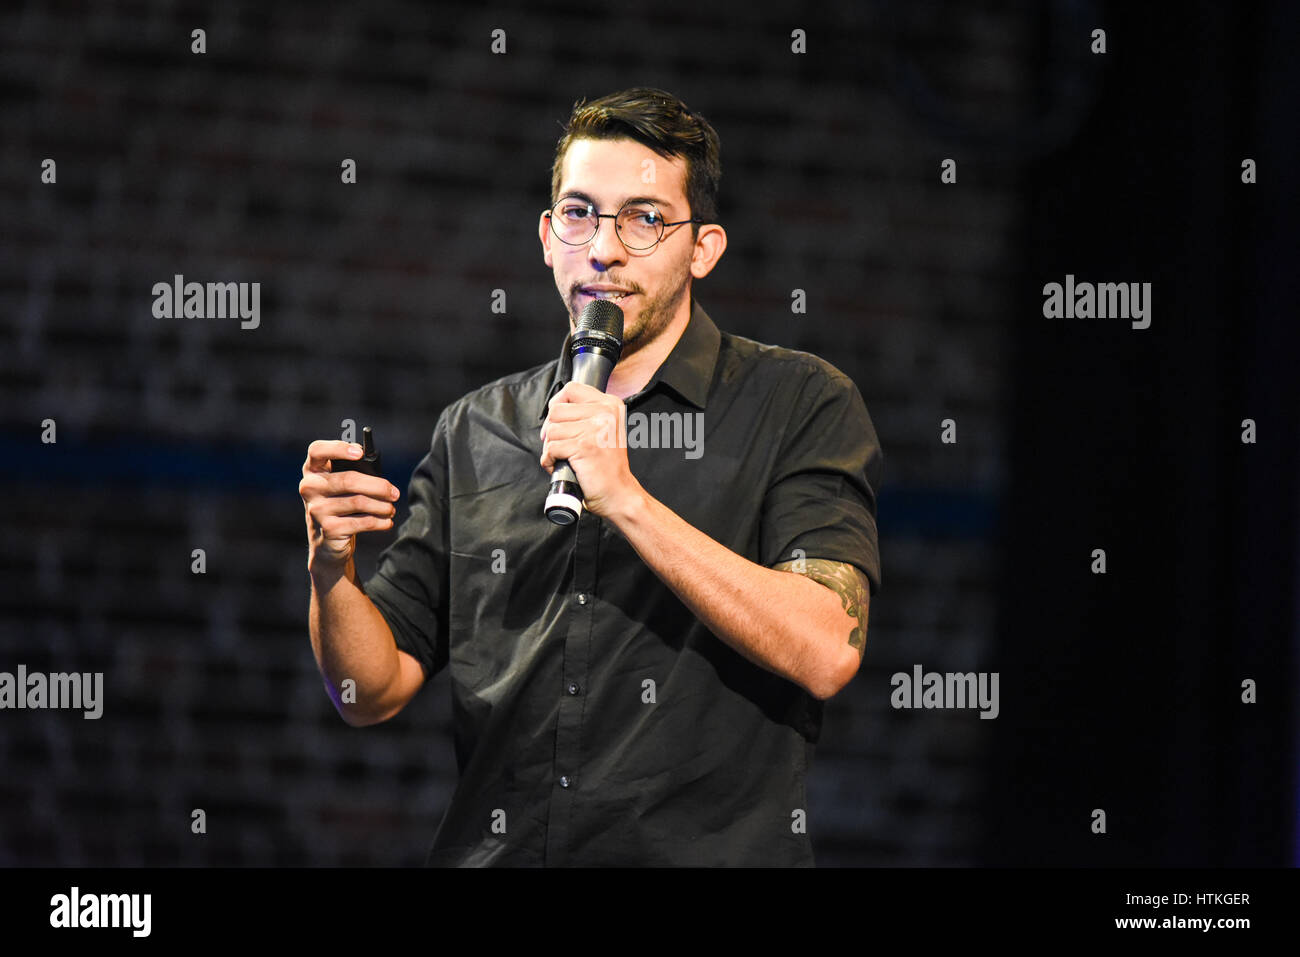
[{"x": 614, "y": 216}]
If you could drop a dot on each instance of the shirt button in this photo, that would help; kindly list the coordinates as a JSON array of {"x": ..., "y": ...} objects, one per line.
[
  {"x": 564, "y": 781},
  {"x": 582, "y": 598},
  {"x": 573, "y": 687}
]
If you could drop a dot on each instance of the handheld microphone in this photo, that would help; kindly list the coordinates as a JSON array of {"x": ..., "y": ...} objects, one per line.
[{"x": 593, "y": 351}]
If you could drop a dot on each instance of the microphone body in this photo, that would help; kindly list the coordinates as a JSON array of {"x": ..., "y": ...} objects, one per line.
[{"x": 594, "y": 350}]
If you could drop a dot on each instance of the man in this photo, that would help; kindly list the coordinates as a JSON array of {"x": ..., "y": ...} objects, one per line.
[{"x": 645, "y": 686}]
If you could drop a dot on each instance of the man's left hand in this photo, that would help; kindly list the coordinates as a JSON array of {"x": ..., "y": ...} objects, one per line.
[{"x": 589, "y": 429}]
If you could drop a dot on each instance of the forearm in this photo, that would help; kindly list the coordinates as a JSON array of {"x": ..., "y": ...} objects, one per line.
[
  {"x": 781, "y": 621},
  {"x": 351, "y": 640}
]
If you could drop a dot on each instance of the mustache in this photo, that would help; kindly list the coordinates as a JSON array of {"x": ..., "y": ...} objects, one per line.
[{"x": 576, "y": 287}]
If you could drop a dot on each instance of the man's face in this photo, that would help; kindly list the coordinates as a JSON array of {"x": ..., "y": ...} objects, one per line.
[{"x": 655, "y": 281}]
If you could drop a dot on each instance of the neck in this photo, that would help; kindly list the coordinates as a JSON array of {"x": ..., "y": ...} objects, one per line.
[{"x": 634, "y": 371}]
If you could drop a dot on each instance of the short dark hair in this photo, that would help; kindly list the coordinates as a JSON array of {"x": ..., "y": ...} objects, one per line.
[{"x": 660, "y": 121}]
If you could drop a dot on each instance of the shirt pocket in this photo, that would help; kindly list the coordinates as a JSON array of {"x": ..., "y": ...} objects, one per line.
[{"x": 508, "y": 571}]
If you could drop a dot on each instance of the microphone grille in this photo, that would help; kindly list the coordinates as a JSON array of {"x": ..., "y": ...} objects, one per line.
[{"x": 603, "y": 317}]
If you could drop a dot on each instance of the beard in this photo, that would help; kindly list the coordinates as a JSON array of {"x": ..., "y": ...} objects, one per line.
[{"x": 656, "y": 314}]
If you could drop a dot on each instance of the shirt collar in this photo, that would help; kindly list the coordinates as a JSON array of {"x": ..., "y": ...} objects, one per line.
[{"x": 688, "y": 370}]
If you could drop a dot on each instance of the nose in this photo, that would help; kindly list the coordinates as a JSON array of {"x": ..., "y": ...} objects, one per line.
[{"x": 606, "y": 249}]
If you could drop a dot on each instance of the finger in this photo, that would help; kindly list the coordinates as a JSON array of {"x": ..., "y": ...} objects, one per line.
[
  {"x": 359, "y": 483},
  {"x": 602, "y": 431},
  {"x": 345, "y": 526},
  {"x": 317, "y": 488},
  {"x": 313, "y": 485},
  {"x": 321, "y": 451},
  {"x": 573, "y": 411},
  {"x": 351, "y": 505},
  {"x": 562, "y": 430},
  {"x": 575, "y": 392},
  {"x": 557, "y": 450}
]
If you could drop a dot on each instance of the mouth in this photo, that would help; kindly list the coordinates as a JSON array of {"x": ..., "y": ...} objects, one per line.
[{"x": 596, "y": 292}]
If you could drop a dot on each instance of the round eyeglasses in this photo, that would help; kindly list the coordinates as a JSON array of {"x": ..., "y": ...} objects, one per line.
[{"x": 638, "y": 224}]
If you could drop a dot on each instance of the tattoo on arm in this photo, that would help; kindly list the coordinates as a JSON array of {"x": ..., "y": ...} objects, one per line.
[{"x": 845, "y": 580}]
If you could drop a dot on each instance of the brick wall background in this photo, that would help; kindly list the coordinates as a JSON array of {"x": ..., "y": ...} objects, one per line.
[{"x": 183, "y": 434}]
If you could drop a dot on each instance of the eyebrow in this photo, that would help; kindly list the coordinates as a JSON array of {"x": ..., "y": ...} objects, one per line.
[{"x": 579, "y": 194}]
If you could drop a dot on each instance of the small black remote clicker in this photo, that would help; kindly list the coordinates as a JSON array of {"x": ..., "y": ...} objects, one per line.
[{"x": 369, "y": 461}]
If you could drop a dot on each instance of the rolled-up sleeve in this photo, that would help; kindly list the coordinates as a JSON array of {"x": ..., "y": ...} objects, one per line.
[
  {"x": 821, "y": 498},
  {"x": 410, "y": 584}
]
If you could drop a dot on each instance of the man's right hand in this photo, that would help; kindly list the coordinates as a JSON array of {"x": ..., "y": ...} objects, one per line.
[{"x": 341, "y": 504}]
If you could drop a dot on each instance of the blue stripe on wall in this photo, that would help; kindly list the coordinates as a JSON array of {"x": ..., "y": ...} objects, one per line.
[{"x": 904, "y": 512}]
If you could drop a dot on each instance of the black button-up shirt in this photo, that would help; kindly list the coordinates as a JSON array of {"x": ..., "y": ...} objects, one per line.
[{"x": 597, "y": 721}]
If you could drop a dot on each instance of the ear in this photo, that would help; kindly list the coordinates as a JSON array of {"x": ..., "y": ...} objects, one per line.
[
  {"x": 544, "y": 234},
  {"x": 710, "y": 244}
]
